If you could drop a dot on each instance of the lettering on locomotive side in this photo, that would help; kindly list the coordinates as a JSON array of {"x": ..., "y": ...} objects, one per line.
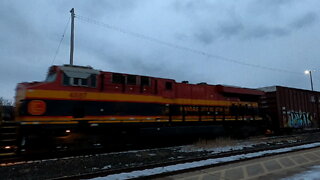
[
  {"x": 190, "y": 108},
  {"x": 207, "y": 109},
  {"x": 78, "y": 95},
  {"x": 202, "y": 109}
]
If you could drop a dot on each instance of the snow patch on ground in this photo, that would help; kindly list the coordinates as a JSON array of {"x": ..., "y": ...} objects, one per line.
[
  {"x": 183, "y": 166},
  {"x": 106, "y": 167},
  {"x": 213, "y": 150},
  {"x": 312, "y": 174}
]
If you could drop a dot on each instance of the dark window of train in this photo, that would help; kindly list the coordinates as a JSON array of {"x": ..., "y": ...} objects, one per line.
[
  {"x": 66, "y": 80},
  {"x": 117, "y": 78},
  {"x": 93, "y": 80},
  {"x": 145, "y": 81},
  {"x": 76, "y": 81},
  {"x": 131, "y": 80},
  {"x": 168, "y": 85},
  {"x": 84, "y": 82}
]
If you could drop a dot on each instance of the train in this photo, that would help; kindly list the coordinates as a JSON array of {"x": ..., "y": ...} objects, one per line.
[
  {"x": 77, "y": 96},
  {"x": 80, "y": 102},
  {"x": 287, "y": 109}
]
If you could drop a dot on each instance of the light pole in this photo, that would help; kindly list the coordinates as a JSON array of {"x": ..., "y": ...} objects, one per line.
[
  {"x": 72, "y": 36},
  {"x": 316, "y": 97},
  {"x": 310, "y": 74}
]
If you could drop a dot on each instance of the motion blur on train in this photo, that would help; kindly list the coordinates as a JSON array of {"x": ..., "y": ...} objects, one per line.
[
  {"x": 76, "y": 103},
  {"x": 118, "y": 106}
]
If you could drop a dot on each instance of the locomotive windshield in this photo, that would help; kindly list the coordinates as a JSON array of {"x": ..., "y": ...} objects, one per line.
[{"x": 51, "y": 76}]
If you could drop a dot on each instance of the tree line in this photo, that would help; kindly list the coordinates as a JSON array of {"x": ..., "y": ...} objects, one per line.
[{"x": 5, "y": 102}]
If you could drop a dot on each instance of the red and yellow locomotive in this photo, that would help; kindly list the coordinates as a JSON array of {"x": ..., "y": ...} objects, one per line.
[{"x": 77, "y": 97}]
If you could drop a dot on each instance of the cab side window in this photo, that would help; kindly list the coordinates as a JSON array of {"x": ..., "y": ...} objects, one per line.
[
  {"x": 86, "y": 80},
  {"x": 93, "y": 80},
  {"x": 168, "y": 85},
  {"x": 145, "y": 81},
  {"x": 117, "y": 78},
  {"x": 131, "y": 80},
  {"x": 66, "y": 80}
]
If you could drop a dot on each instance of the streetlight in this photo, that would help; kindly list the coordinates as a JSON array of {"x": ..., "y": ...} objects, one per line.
[
  {"x": 316, "y": 99},
  {"x": 309, "y": 72}
]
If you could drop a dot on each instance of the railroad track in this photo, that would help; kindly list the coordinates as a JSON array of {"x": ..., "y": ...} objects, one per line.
[
  {"x": 154, "y": 167},
  {"x": 8, "y": 139},
  {"x": 14, "y": 155},
  {"x": 90, "y": 163}
]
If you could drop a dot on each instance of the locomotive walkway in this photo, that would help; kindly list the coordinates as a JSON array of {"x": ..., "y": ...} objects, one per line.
[{"x": 271, "y": 167}]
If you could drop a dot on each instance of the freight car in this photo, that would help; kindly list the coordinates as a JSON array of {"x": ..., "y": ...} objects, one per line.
[
  {"x": 117, "y": 106},
  {"x": 286, "y": 109}
]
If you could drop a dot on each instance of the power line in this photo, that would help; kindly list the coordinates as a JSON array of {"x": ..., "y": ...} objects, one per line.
[
  {"x": 57, "y": 51},
  {"x": 169, "y": 44}
]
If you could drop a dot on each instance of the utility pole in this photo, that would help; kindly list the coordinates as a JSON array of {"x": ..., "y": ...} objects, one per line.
[
  {"x": 310, "y": 74},
  {"x": 311, "y": 80},
  {"x": 72, "y": 36}
]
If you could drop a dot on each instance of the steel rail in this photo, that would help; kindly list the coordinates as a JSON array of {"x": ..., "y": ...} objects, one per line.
[{"x": 102, "y": 173}]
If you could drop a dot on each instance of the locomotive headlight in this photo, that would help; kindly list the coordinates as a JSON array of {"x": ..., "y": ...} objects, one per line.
[
  {"x": 68, "y": 131},
  {"x": 7, "y": 147}
]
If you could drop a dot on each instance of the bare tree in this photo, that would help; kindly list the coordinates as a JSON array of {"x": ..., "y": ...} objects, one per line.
[
  {"x": 3, "y": 113},
  {"x": 5, "y": 102}
]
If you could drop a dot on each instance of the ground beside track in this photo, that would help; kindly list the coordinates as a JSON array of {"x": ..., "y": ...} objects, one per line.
[
  {"x": 290, "y": 166},
  {"x": 71, "y": 166}
]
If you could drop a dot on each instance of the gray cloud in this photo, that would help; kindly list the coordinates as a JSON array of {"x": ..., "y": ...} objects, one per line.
[
  {"x": 224, "y": 30},
  {"x": 15, "y": 26},
  {"x": 239, "y": 31},
  {"x": 248, "y": 30},
  {"x": 265, "y": 32},
  {"x": 277, "y": 3},
  {"x": 260, "y": 7},
  {"x": 230, "y": 29},
  {"x": 97, "y": 8},
  {"x": 260, "y": 32},
  {"x": 205, "y": 36},
  {"x": 305, "y": 20},
  {"x": 192, "y": 7}
]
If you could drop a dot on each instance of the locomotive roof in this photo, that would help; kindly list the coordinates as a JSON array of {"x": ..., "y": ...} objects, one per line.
[
  {"x": 85, "y": 71},
  {"x": 239, "y": 90},
  {"x": 79, "y": 69},
  {"x": 73, "y": 70}
]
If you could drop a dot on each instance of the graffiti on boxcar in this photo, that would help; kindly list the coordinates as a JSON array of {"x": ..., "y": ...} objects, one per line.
[{"x": 299, "y": 119}]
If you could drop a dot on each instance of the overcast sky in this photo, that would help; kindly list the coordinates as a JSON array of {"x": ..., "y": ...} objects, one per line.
[{"x": 194, "y": 40}]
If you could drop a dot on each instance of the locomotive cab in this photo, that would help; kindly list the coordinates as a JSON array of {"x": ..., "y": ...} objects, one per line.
[
  {"x": 79, "y": 76},
  {"x": 36, "y": 99},
  {"x": 52, "y": 74}
]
